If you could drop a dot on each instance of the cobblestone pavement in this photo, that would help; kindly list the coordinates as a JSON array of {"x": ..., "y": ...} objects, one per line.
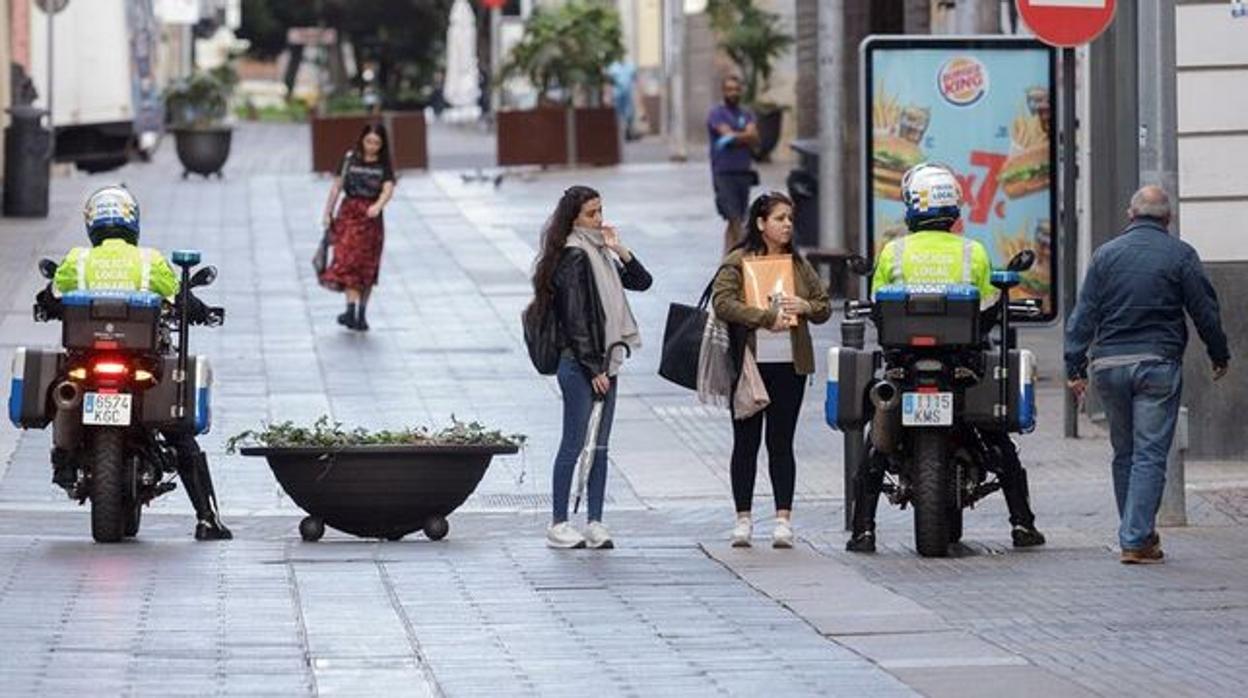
[{"x": 490, "y": 610}]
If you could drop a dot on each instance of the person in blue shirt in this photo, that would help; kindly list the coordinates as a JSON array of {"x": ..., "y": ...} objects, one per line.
[
  {"x": 1129, "y": 332},
  {"x": 733, "y": 134},
  {"x": 623, "y": 75}
]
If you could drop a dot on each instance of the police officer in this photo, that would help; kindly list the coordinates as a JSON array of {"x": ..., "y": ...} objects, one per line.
[
  {"x": 115, "y": 261},
  {"x": 932, "y": 254}
]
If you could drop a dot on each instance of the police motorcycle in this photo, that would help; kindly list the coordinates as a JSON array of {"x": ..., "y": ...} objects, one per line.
[
  {"x": 117, "y": 392},
  {"x": 929, "y": 389}
]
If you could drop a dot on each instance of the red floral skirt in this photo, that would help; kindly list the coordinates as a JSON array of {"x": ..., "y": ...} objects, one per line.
[{"x": 357, "y": 241}]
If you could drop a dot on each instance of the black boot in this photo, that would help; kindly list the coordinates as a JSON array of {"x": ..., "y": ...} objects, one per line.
[
  {"x": 193, "y": 470},
  {"x": 64, "y": 474},
  {"x": 347, "y": 319},
  {"x": 863, "y": 542},
  {"x": 361, "y": 323},
  {"x": 1026, "y": 536}
]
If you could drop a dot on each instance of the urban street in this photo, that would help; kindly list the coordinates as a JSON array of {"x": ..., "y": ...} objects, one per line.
[{"x": 490, "y": 609}]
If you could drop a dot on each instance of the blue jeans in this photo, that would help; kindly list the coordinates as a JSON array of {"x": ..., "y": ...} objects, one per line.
[
  {"x": 578, "y": 401},
  {"x": 1142, "y": 403}
]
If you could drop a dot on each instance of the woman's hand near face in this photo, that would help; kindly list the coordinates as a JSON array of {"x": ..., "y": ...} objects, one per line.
[{"x": 611, "y": 238}]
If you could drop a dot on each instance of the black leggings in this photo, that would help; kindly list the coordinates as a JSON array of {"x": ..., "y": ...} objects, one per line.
[{"x": 786, "y": 389}]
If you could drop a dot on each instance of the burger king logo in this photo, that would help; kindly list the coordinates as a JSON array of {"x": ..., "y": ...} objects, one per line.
[{"x": 962, "y": 81}]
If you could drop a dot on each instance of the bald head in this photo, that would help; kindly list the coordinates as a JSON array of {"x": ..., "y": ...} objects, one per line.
[{"x": 1150, "y": 201}]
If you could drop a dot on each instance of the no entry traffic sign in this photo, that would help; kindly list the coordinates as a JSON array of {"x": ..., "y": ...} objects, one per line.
[{"x": 1067, "y": 23}]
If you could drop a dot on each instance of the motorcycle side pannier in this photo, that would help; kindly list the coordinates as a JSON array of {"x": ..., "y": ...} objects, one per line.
[
  {"x": 850, "y": 372},
  {"x": 30, "y": 387},
  {"x": 928, "y": 316},
  {"x": 111, "y": 320},
  {"x": 982, "y": 398},
  {"x": 159, "y": 401}
]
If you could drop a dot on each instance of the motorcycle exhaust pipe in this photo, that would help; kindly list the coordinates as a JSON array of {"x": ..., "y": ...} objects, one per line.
[
  {"x": 886, "y": 398},
  {"x": 67, "y": 397}
]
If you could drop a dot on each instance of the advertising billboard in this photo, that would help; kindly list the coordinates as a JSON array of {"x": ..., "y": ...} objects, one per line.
[{"x": 984, "y": 108}]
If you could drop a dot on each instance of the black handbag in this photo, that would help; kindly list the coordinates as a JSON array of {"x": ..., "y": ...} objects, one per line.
[
  {"x": 320, "y": 260},
  {"x": 541, "y": 336},
  {"x": 682, "y": 340}
]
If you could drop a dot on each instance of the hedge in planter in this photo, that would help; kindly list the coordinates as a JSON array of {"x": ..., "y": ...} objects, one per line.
[
  {"x": 383, "y": 484},
  {"x": 196, "y": 109}
]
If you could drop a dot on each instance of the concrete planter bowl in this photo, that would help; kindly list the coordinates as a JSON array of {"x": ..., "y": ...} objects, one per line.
[
  {"x": 203, "y": 151},
  {"x": 379, "y": 491}
]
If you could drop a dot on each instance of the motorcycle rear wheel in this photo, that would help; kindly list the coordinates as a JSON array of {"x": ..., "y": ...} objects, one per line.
[
  {"x": 931, "y": 493},
  {"x": 108, "y": 505}
]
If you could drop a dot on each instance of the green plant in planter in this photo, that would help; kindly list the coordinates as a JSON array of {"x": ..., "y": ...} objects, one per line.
[
  {"x": 567, "y": 49},
  {"x": 200, "y": 101},
  {"x": 324, "y": 433},
  {"x": 754, "y": 39}
]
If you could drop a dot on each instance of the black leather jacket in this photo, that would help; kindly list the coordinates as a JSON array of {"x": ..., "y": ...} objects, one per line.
[{"x": 578, "y": 309}]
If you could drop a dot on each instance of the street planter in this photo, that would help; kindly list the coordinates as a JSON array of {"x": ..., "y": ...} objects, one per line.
[
  {"x": 203, "y": 150},
  {"x": 597, "y": 136},
  {"x": 532, "y": 137},
  {"x": 551, "y": 136},
  {"x": 770, "y": 126},
  {"x": 374, "y": 491},
  {"x": 333, "y": 136}
]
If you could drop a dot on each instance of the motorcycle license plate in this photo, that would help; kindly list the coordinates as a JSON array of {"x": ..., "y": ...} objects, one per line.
[
  {"x": 106, "y": 409},
  {"x": 927, "y": 409}
]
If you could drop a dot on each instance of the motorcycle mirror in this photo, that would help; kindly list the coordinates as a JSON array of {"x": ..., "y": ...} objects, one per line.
[
  {"x": 204, "y": 277},
  {"x": 1022, "y": 261},
  {"x": 859, "y": 265},
  {"x": 48, "y": 268}
]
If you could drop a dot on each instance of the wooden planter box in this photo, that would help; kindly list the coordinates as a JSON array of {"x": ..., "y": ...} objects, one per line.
[
  {"x": 332, "y": 136},
  {"x": 541, "y": 137}
]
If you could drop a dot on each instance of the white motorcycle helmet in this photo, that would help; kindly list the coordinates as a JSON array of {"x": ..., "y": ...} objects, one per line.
[
  {"x": 112, "y": 212},
  {"x": 932, "y": 196}
]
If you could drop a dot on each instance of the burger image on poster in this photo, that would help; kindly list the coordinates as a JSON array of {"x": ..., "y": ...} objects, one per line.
[
  {"x": 1028, "y": 169},
  {"x": 896, "y": 134}
]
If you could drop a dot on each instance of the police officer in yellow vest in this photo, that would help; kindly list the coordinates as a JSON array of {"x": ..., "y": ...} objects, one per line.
[
  {"x": 933, "y": 254},
  {"x": 115, "y": 261}
]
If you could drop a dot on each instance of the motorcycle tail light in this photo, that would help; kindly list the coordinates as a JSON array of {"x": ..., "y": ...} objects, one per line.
[
  {"x": 921, "y": 341},
  {"x": 110, "y": 368}
]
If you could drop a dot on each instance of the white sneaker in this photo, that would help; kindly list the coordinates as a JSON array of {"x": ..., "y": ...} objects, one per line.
[
  {"x": 597, "y": 536},
  {"x": 742, "y": 532},
  {"x": 782, "y": 537},
  {"x": 564, "y": 536}
]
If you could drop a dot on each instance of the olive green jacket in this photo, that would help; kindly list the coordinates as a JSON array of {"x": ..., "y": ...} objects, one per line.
[{"x": 728, "y": 300}]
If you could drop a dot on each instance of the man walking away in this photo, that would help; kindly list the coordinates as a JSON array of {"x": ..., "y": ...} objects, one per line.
[
  {"x": 1130, "y": 314},
  {"x": 732, "y": 134}
]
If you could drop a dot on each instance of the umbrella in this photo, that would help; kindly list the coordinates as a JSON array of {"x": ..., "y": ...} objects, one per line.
[
  {"x": 461, "y": 88},
  {"x": 586, "y": 460}
]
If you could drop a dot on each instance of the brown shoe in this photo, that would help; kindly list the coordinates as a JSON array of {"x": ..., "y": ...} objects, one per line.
[{"x": 1151, "y": 555}]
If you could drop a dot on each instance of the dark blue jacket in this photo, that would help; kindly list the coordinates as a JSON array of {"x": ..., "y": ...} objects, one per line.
[{"x": 1133, "y": 298}]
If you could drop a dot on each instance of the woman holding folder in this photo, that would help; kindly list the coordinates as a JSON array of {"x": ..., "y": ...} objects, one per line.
[{"x": 768, "y": 294}]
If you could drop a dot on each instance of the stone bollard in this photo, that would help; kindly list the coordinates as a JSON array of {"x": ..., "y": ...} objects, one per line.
[{"x": 1173, "y": 511}]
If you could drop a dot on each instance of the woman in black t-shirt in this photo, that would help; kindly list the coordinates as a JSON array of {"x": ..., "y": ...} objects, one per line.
[{"x": 366, "y": 177}]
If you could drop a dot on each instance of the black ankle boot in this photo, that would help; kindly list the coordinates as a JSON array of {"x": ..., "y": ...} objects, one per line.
[
  {"x": 361, "y": 323},
  {"x": 347, "y": 319},
  {"x": 212, "y": 529},
  {"x": 1026, "y": 536},
  {"x": 863, "y": 542}
]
